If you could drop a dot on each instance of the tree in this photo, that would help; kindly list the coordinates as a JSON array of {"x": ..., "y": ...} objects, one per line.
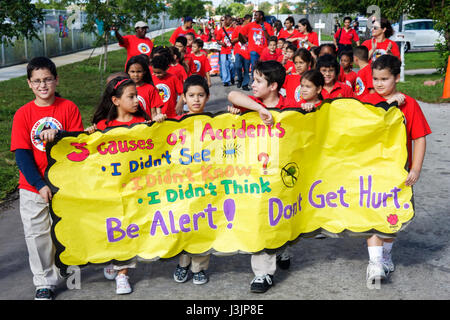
[
  {"x": 265, "y": 7},
  {"x": 19, "y": 18},
  {"x": 184, "y": 8}
]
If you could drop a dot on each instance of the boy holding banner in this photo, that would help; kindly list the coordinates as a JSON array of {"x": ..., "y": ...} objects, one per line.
[
  {"x": 386, "y": 74},
  {"x": 269, "y": 77},
  {"x": 35, "y": 124}
]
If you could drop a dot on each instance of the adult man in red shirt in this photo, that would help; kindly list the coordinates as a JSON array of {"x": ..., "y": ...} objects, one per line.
[
  {"x": 242, "y": 56},
  {"x": 136, "y": 44},
  {"x": 183, "y": 30},
  {"x": 257, "y": 34},
  {"x": 226, "y": 56}
]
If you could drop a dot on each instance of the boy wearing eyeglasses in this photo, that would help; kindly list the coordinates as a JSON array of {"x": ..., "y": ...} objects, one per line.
[{"x": 35, "y": 124}]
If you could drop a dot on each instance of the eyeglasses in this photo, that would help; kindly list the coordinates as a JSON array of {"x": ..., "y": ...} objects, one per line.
[
  {"x": 47, "y": 81},
  {"x": 375, "y": 28}
]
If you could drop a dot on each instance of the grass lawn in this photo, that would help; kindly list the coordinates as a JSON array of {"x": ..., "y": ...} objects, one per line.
[
  {"x": 413, "y": 86},
  {"x": 421, "y": 60}
]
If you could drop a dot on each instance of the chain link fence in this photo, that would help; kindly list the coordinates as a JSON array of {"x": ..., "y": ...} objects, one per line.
[{"x": 58, "y": 37}]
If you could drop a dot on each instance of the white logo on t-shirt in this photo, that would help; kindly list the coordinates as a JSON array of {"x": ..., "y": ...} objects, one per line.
[
  {"x": 39, "y": 126},
  {"x": 164, "y": 91}
]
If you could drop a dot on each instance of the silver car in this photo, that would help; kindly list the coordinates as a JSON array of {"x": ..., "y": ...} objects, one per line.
[{"x": 419, "y": 33}]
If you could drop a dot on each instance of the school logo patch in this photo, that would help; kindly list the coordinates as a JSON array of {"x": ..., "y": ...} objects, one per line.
[
  {"x": 359, "y": 86},
  {"x": 39, "y": 126},
  {"x": 297, "y": 93},
  {"x": 143, "y": 48},
  {"x": 164, "y": 92},
  {"x": 198, "y": 65},
  {"x": 259, "y": 38},
  {"x": 378, "y": 53},
  {"x": 142, "y": 101}
]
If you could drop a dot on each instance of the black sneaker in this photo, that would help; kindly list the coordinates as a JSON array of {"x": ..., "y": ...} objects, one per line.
[
  {"x": 232, "y": 82},
  {"x": 44, "y": 294},
  {"x": 181, "y": 274},
  {"x": 239, "y": 84},
  {"x": 226, "y": 84},
  {"x": 245, "y": 88},
  {"x": 284, "y": 261},
  {"x": 200, "y": 278},
  {"x": 261, "y": 284}
]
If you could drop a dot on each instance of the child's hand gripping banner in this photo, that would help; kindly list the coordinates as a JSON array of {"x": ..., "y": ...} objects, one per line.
[{"x": 227, "y": 183}]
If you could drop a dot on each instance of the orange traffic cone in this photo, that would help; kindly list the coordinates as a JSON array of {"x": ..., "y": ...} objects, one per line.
[{"x": 446, "y": 93}]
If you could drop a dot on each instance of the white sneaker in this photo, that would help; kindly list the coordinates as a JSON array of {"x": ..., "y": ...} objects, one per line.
[
  {"x": 387, "y": 262},
  {"x": 109, "y": 272},
  {"x": 122, "y": 284},
  {"x": 375, "y": 272}
]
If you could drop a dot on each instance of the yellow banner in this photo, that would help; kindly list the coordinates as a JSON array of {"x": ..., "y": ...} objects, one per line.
[{"x": 228, "y": 183}]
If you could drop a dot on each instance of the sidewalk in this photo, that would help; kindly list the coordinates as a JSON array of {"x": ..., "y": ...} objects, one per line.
[{"x": 21, "y": 69}]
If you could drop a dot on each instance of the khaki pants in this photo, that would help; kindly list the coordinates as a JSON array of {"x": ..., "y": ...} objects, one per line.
[
  {"x": 198, "y": 263},
  {"x": 37, "y": 226},
  {"x": 264, "y": 263}
]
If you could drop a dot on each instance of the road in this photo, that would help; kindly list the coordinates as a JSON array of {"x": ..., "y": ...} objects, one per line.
[{"x": 320, "y": 269}]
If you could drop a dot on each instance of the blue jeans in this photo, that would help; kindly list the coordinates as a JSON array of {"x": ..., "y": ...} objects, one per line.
[
  {"x": 243, "y": 76},
  {"x": 254, "y": 57},
  {"x": 226, "y": 68}
]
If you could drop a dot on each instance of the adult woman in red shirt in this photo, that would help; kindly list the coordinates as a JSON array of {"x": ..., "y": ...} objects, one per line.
[
  {"x": 380, "y": 44},
  {"x": 308, "y": 38},
  {"x": 344, "y": 37},
  {"x": 290, "y": 33}
]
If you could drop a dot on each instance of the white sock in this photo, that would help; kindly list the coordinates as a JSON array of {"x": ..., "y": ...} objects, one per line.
[
  {"x": 375, "y": 253},
  {"x": 387, "y": 247}
]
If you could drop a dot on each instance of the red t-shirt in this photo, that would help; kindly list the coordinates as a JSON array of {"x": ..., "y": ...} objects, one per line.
[
  {"x": 148, "y": 97},
  {"x": 180, "y": 32},
  {"x": 201, "y": 63},
  {"x": 240, "y": 48},
  {"x": 290, "y": 67},
  {"x": 416, "y": 123},
  {"x": 190, "y": 63},
  {"x": 292, "y": 85},
  {"x": 136, "y": 46},
  {"x": 102, "y": 125},
  {"x": 178, "y": 71},
  {"x": 223, "y": 38},
  {"x": 256, "y": 36},
  {"x": 28, "y": 123},
  {"x": 311, "y": 37},
  {"x": 281, "y": 103},
  {"x": 169, "y": 87},
  {"x": 286, "y": 35},
  {"x": 266, "y": 55},
  {"x": 381, "y": 48},
  {"x": 346, "y": 37},
  {"x": 340, "y": 90},
  {"x": 298, "y": 104},
  {"x": 348, "y": 78},
  {"x": 363, "y": 82}
]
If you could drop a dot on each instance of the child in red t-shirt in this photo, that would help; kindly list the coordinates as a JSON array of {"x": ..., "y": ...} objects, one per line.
[
  {"x": 363, "y": 82},
  {"x": 168, "y": 85},
  {"x": 148, "y": 96},
  {"x": 311, "y": 96},
  {"x": 35, "y": 124},
  {"x": 201, "y": 61},
  {"x": 271, "y": 52},
  {"x": 347, "y": 75},
  {"x": 287, "y": 59},
  {"x": 386, "y": 74},
  {"x": 292, "y": 85},
  {"x": 329, "y": 67},
  {"x": 176, "y": 66}
]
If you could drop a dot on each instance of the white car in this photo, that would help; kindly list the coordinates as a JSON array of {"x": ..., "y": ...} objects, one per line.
[{"x": 419, "y": 34}]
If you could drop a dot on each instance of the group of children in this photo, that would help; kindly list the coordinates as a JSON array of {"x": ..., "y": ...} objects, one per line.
[{"x": 172, "y": 82}]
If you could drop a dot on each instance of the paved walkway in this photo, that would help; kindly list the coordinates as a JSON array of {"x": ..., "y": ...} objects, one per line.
[{"x": 20, "y": 69}]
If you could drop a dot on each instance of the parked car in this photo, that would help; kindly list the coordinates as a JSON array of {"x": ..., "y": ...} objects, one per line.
[{"x": 419, "y": 33}]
